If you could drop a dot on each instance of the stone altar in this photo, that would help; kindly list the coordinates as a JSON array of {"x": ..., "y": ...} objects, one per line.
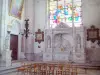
[{"x": 61, "y": 45}]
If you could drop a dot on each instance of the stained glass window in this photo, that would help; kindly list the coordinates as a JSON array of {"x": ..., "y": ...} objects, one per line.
[{"x": 67, "y": 11}]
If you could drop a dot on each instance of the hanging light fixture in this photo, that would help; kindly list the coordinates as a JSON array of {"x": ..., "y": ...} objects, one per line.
[{"x": 26, "y": 30}]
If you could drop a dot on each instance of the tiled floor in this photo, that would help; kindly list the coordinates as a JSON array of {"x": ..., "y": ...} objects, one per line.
[{"x": 12, "y": 73}]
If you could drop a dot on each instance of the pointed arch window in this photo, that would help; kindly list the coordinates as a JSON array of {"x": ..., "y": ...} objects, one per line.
[{"x": 67, "y": 11}]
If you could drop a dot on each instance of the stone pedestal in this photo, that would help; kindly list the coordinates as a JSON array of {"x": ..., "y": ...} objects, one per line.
[
  {"x": 79, "y": 57},
  {"x": 29, "y": 56},
  {"x": 6, "y": 58}
]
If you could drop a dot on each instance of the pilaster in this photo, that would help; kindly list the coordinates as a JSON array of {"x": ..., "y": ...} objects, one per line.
[
  {"x": 5, "y": 36},
  {"x": 29, "y": 53}
]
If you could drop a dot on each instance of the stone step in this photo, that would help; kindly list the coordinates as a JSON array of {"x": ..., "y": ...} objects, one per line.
[
  {"x": 7, "y": 69},
  {"x": 2, "y": 63}
]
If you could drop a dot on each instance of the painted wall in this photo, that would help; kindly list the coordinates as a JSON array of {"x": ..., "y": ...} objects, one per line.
[
  {"x": 3, "y": 25},
  {"x": 16, "y": 25},
  {"x": 19, "y": 25},
  {"x": 0, "y": 21},
  {"x": 90, "y": 10},
  {"x": 29, "y": 14},
  {"x": 36, "y": 12},
  {"x": 10, "y": 23},
  {"x": 0, "y": 11},
  {"x": 40, "y": 21}
]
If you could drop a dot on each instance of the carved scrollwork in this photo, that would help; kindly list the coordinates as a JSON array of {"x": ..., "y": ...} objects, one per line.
[{"x": 61, "y": 42}]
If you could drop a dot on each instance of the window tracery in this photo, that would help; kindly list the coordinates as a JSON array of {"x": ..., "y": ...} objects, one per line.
[{"x": 66, "y": 11}]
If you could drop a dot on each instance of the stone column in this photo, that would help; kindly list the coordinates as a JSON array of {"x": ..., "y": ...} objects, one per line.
[
  {"x": 6, "y": 53},
  {"x": 1, "y": 5},
  {"x": 29, "y": 42},
  {"x": 4, "y": 36},
  {"x": 29, "y": 53}
]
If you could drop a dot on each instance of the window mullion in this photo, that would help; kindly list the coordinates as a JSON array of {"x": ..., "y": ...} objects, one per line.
[
  {"x": 73, "y": 13},
  {"x": 57, "y": 15},
  {"x": 48, "y": 11},
  {"x": 73, "y": 26},
  {"x": 72, "y": 16}
]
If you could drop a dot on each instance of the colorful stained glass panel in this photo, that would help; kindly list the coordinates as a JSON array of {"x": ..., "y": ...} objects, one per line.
[
  {"x": 76, "y": 0},
  {"x": 65, "y": 11}
]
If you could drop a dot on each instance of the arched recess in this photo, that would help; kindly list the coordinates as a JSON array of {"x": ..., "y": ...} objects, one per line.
[
  {"x": 48, "y": 41},
  {"x": 78, "y": 42}
]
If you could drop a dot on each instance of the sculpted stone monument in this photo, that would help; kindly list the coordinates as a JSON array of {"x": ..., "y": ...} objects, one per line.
[{"x": 60, "y": 44}]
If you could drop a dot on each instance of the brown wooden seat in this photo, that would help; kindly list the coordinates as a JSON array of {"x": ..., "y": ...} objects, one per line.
[
  {"x": 67, "y": 69},
  {"x": 34, "y": 69},
  {"x": 74, "y": 70},
  {"x": 43, "y": 68},
  {"x": 59, "y": 69},
  {"x": 50, "y": 69}
]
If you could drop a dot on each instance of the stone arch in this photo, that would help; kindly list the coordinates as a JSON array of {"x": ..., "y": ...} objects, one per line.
[{"x": 15, "y": 29}]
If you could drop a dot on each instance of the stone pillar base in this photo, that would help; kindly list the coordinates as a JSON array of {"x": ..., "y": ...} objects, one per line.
[
  {"x": 79, "y": 58},
  {"x": 29, "y": 56},
  {"x": 6, "y": 57}
]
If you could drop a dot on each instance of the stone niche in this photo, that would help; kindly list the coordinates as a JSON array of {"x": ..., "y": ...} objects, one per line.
[{"x": 61, "y": 44}]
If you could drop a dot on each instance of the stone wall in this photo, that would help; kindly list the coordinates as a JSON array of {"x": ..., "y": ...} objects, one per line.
[{"x": 93, "y": 55}]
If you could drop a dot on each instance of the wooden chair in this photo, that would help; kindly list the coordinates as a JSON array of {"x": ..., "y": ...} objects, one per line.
[
  {"x": 67, "y": 69},
  {"x": 59, "y": 69},
  {"x": 50, "y": 69},
  {"x": 34, "y": 69},
  {"x": 43, "y": 68},
  {"x": 74, "y": 70}
]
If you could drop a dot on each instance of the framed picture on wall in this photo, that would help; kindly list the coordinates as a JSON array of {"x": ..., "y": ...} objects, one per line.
[
  {"x": 16, "y": 7},
  {"x": 39, "y": 36},
  {"x": 93, "y": 34}
]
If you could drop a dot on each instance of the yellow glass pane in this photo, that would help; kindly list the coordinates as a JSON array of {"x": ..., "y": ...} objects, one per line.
[
  {"x": 53, "y": 8},
  {"x": 77, "y": 4},
  {"x": 77, "y": 0},
  {"x": 53, "y": 3},
  {"x": 68, "y": 1}
]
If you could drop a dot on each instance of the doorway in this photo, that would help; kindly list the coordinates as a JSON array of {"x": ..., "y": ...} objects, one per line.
[{"x": 14, "y": 46}]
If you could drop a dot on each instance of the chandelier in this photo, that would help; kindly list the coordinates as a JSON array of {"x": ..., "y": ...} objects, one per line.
[{"x": 26, "y": 29}]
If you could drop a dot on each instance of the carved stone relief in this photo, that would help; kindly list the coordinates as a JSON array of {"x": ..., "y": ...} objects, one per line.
[
  {"x": 61, "y": 46},
  {"x": 61, "y": 43}
]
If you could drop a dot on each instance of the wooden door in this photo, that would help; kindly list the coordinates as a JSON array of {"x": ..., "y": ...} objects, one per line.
[{"x": 14, "y": 46}]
